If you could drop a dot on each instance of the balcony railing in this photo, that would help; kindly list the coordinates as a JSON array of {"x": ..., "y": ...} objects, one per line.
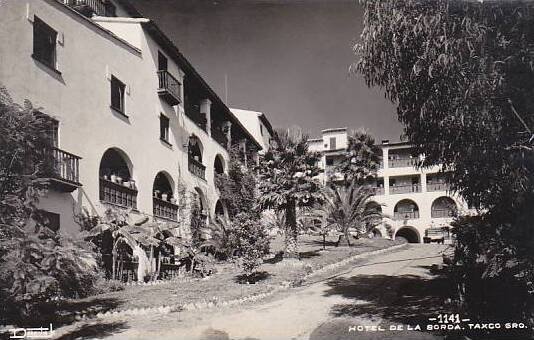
[
  {"x": 402, "y": 162},
  {"x": 169, "y": 88},
  {"x": 219, "y": 137},
  {"x": 165, "y": 209},
  {"x": 379, "y": 190},
  {"x": 63, "y": 168},
  {"x": 98, "y": 7},
  {"x": 442, "y": 213},
  {"x": 437, "y": 187},
  {"x": 196, "y": 168},
  {"x": 117, "y": 194},
  {"x": 406, "y": 215},
  {"x": 404, "y": 189}
]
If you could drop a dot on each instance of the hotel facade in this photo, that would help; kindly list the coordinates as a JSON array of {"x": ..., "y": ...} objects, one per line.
[
  {"x": 413, "y": 200},
  {"x": 134, "y": 121}
]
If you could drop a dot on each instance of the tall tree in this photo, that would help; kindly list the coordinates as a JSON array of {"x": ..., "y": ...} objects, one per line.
[
  {"x": 287, "y": 179},
  {"x": 361, "y": 158},
  {"x": 461, "y": 74}
]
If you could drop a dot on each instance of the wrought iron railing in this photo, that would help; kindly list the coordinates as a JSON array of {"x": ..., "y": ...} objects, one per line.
[
  {"x": 170, "y": 84},
  {"x": 196, "y": 168},
  {"x": 378, "y": 190},
  {"x": 406, "y": 215},
  {"x": 404, "y": 189},
  {"x": 117, "y": 194},
  {"x": 165, "y": 209}
]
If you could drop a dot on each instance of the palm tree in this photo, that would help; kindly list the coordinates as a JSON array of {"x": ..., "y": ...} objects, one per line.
[
  {"x": 361, "y": 159},
  {"x": 287, "y": 180},
  {"x": 348, "y": 207}
]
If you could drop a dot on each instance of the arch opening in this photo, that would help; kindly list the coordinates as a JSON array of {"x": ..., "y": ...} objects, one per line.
[
  {"x": 409, "y": 234},
  {"x": 405, "y": 209},
  {"x": 218, "y": 164},
  {"x": 117, "y": 186},
  {"x": 443, "y": 206},
  {"x": 164, "y": 202}
]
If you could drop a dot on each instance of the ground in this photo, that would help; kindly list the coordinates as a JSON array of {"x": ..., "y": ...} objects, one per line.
[{"x": 393, "y": 288}]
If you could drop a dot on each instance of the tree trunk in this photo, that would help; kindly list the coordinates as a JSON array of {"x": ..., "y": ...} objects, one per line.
[
  {"x": 291, "y": 232},
  {"x": 347, "y": 235},
  {"x": 324, "y": 241}
]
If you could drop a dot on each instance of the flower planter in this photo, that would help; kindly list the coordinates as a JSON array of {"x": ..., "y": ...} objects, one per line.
[
  {"x": 114, "y": 178},
  {"x": 164, "y": 197}
]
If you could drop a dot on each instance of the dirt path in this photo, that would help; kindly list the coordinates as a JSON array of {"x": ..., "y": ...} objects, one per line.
[{"x": 395, "y": 288}]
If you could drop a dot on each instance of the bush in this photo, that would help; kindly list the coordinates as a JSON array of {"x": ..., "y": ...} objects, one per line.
[
  {"x": 253, "y": 242},
  {"x": 39, "y": 270}
]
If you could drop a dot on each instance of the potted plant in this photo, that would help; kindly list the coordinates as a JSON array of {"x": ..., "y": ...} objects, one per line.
[
  {"x": 126, "y": 184},
  {"x": 132, "y": 184},
  {"x": 119, "y": 180},
  {"x": 114, "y": 178},
  {"x": 164, "y": 197},
  {"x": 173, "y": 200},
  {"x": 156, "y": 193}
]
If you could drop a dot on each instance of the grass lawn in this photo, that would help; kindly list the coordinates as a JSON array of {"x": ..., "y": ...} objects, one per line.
[{"x": 223, "y": 285}]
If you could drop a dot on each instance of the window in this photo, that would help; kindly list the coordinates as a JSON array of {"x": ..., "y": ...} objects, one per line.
[
  {"x": 261, "y": 129},
  {"x": 117, "y": 94},
  {"x": 164, "y": 128},
  {"x": 51, "y": 220},
  {"x": 332, "y": 143},
  {"x": 329, "y": 161},
  {"x": 44, "y": 43}
]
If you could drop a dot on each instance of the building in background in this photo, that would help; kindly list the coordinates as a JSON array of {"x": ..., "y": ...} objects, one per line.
[
  {"x": 414, "y": 200},
  {"x": 134, "y": 120},
  {"x": 257, "y": 124}
]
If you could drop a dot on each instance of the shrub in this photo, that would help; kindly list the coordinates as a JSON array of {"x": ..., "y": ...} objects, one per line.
[{"x": 253, "y": 242}]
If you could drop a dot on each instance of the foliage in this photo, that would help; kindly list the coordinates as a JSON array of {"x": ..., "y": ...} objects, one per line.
[
  {"x": 287, "y": 179},
  {"x": 361, "y": 158},
  {"x": 462, "y": 76},
  {"x": 197, "y": 224},
  {"x": 223, "y": 239},
  {"x": 37, "y": 265},
  {"x": 237, "y": 189},
  {"x": 347, "y": 209},
  {"x": 253, "y": 242}
]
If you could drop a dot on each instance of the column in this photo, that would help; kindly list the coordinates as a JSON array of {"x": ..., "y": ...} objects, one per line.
[{"x": 205, "y": 110}]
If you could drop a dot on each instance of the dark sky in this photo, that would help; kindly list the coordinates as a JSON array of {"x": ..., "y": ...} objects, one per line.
[{"x": 286, "y": 58}]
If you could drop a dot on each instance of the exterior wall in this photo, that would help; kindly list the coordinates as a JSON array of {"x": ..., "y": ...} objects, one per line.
[
  {"x": 387, "y": 197},
  {"x": 79, "y": 98},
  {"x": 251, "y": 121}
]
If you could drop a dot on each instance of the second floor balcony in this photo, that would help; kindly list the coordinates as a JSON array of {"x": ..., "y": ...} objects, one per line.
[
  {"x": 197, "y": 168},
  {"x": 165, "y": 209},
  {"x": 90, "y": 7},
  {"x": 404, "y": 189},
  {"x": 63, "y": 168},
  {"x": 220, "y": 137},
  {"x": 437, "y": 186},
  {"x": 169, "y": 88},
  {"x": 119, "y": 194},
  {"x": 402, "y": 162}
]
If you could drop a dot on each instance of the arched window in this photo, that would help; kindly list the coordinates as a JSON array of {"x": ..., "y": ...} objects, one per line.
[
  {"x": 406, "y": 209},
  {"x": 164, "y": 202},
  {"x": 218, "y": 164},
  {"x": 219, "y": 209},
  {"x": 116, "y": 183},
  {"x": 443, "y": 207},
  {"x": 195, "y": 150}
]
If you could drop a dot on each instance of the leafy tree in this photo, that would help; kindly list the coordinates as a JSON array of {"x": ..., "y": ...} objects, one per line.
[
  {"x": 237, "y": 189},
  {"x": 462, "y": 76},
  {"x": 347, "y": 207},
  {"x": 253, "y": 242},
  {"x": 286, "y": 180},
  {"x": 361, "y": 158},
  {"x": 37, "y": 265}
]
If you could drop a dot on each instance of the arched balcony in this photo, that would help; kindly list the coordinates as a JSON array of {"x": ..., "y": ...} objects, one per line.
[
  {"x": 443, "y": 207},
  {"x": 164, "y": 202},
  {"x": 195, "y": 150},
  {"x": 218, "y": 164},
  {"x": 406, "y": 209},
  {"x": 117, "y": 186}
]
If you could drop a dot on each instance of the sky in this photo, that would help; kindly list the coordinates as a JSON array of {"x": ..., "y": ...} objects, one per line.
[{"x": 286, "y": 58}]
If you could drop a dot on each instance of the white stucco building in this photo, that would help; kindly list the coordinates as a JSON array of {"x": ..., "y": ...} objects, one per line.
[
  {"x": 257, "y": 124},
  {"x": 134, "y": 118},
  {"x": 413, "y": 200}
]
